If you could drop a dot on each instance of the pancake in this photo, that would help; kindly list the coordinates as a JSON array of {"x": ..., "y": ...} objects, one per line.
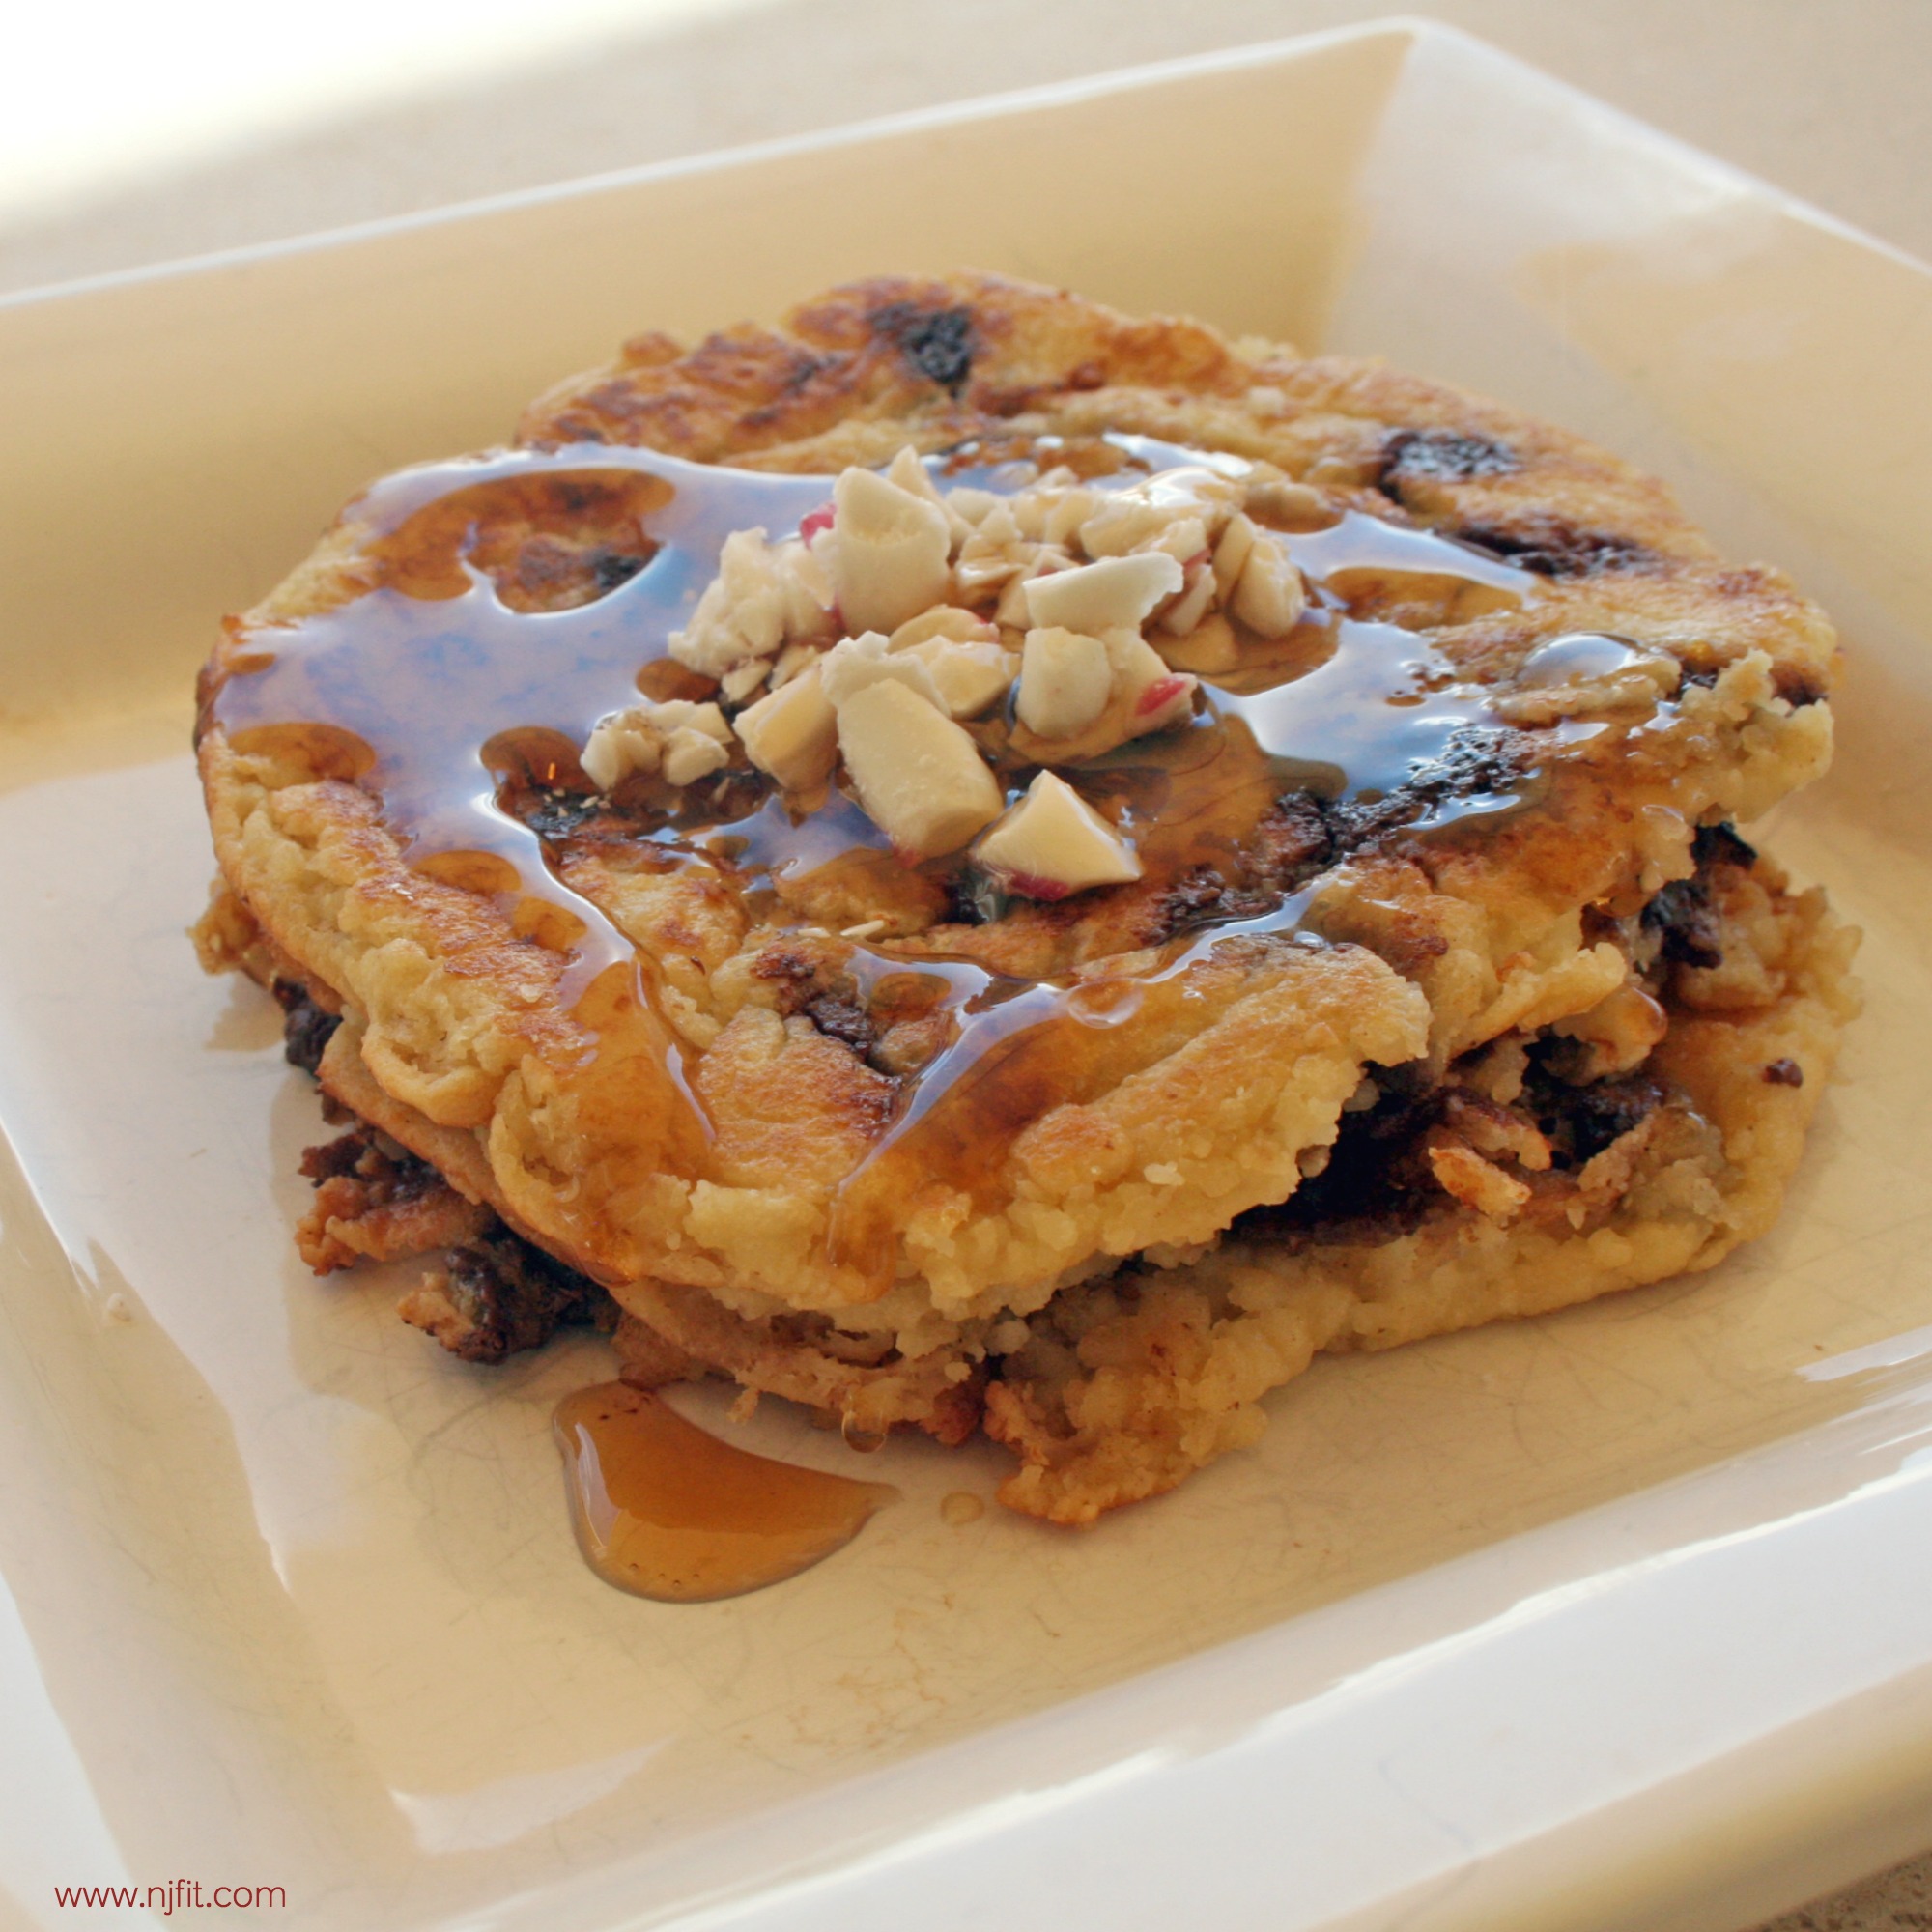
[{"x": 902, "y": 851}]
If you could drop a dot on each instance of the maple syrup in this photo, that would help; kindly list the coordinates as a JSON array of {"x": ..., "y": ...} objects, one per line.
[
  {"x": 664, "y": 1510},
  {"x": 449, "y": 688}
]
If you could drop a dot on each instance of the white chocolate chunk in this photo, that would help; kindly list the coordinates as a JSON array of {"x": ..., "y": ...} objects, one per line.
[
  {"x": 677, "y": 737},
  {"x": 1099, "y": 596},
  {"x": 1053, "y": 842},
  {"x": 919, "y": 775},
  {"x": 792, "y": 732},
  {"x": 854, "y": 663},
  {"x": 1066, "y": 679},
  {"x": 1269, "y": 596},
  {"x": 889, "y": 550}
]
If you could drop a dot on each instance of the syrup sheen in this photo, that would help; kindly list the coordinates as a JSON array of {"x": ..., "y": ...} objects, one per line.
[
  {"x": 664, "y": 1510},
  {"x": 434, "y": 694}
]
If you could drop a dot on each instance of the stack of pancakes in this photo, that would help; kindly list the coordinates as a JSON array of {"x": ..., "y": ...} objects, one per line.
[{"x": 1458, "y": 995}]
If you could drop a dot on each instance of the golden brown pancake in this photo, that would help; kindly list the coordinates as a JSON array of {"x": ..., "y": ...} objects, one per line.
[{"x": 938, "y": 959}]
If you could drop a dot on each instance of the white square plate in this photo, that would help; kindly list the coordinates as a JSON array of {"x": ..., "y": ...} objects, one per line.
[{"x": 1617, "y": 1619}]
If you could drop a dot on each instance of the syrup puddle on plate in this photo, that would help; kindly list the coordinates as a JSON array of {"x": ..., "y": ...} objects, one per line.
[{"x": 662, "y": 1510}]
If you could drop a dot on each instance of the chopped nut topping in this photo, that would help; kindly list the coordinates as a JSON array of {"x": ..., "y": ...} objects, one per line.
[
  {"x": 1619, "y": 1031},
  {"x": 1138, "y": 518},
  {"x": 902, "y": 608},
  {"x": 679, "y": 741},
  {"x": 919, "y": 775},
  {"x": 1053, "y": 844},
  {"x": 1478, "y": 1184},
  {"x": 1273, "y": 495},
  {"x": 850, "y": 666},
  {"x": 1066, "y": 679},
  {"x": 792, "y": 732},
  {"x": 1269, "y": 595},
  {"x": 1081, "y": 695},
  {"x": 971, "y": 677},
  {"x": 1231, "y": 553},
  {"x": 996, "y": 554},
  {"x": 888, "y": 549},
  {"x": 948, "y": 621},
  {"x": 762, "y": 598},
  {"x": 1108, "y": 595}
]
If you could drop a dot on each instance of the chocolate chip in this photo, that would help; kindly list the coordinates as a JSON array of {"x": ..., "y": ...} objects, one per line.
[
  {"x": 1785, "y": 1073},
  {"x": 389, "y": 1175},
  {"x": 1720, "y": 845},
  {"x": 974, "y": 898},
  {"x": 1376, "y": 1171},
  {"x": 1443, "y": 455},
  {"x": 844, "y": 1020},
  {"x": 1682, "y": 915},
  {"x": 1292, "y": 841},
  {"x": 613, "y": 567},
  {"x": 1551, "y": 547},
  {"x": 307, "y": 1028},
  {"x": 1580, "y": 1122},
  {"x": 937, "y": 342},
  {"x": 511, "y": 1296},
  {"x": 341, "y": 1155},
  {"x": 1477, "y": 761}
]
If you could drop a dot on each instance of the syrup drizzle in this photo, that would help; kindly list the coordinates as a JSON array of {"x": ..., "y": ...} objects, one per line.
[
  {"x": 664, "y": 1510},
  {"x": 432, "y": 693}
]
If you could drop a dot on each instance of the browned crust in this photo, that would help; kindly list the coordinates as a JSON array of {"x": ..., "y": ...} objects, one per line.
[
  {"x": 1144, "y": 1380},
  {"x": 457, "y": 1018},
  {"x": 670, "y": 1333}
]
